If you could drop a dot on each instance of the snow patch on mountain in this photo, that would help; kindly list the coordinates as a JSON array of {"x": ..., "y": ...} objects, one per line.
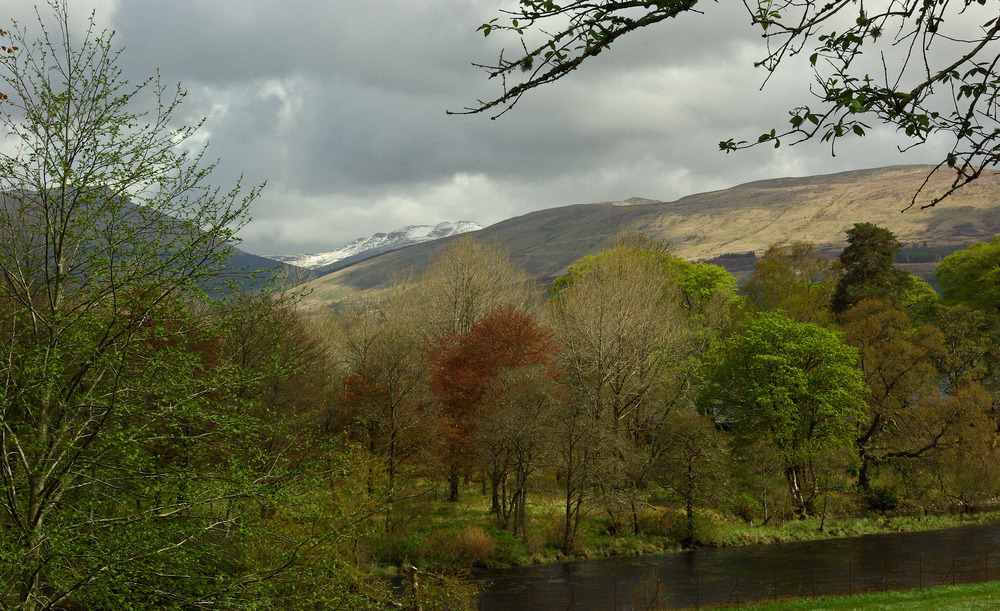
[{"x": 381, "y": 242}]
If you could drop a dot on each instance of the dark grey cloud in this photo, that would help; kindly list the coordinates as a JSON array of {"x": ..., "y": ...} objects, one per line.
[{"x": 340, "y": 106}]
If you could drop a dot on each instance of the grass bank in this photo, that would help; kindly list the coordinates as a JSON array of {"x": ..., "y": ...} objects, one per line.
[
  {"x": 433, "y": 533},
  {"x": 808, "y": 530},
  {"x": 953, "y": 598}
]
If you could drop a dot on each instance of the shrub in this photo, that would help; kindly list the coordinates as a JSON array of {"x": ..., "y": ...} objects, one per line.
[
  {"x": 469, "y": 546},
  {"x": 673, "y": 524},
  {"x": 882, "y": 499},
  {"x": 399, "y": 548}
]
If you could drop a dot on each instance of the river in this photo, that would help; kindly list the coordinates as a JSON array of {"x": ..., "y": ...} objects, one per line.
[{"x": 736, "y": 574}]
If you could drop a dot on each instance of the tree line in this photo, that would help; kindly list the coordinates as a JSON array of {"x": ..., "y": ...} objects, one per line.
[
  {"x": 641, "y": 370},
  {"x": 167, "y": 442}
]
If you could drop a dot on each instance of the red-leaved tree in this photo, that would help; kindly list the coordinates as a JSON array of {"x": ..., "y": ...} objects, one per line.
[{"x": 464, "y": 371}]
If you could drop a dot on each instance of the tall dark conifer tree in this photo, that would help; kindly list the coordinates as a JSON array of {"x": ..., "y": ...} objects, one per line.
[{"x": 867, "y": 270}]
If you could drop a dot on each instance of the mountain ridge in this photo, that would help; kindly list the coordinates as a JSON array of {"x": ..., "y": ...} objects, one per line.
[
  {"x": 726, "y": 222},
  {"x": 363, "y": 248}
]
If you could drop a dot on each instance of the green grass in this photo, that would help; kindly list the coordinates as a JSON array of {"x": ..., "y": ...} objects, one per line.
[
  {"x": 959, "y": 598},
  {"x": 737, "y": 533},
  {"x": 434, "y": 533}
]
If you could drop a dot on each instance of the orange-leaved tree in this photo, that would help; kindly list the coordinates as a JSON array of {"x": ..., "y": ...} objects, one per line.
[{"x": 464, "y": 367}]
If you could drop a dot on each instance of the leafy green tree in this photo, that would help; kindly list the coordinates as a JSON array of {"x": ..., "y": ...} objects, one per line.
[
  {"x": 556, "y": 38},
  {"x": 793, "y": 385},
  {"x": 700, "y": 284},
  {"x": 634, "y": 322},
  {"x": 972, "y": 342},
  {"x": 131, "y": 419},
  {"x": 866, "y": 268},
  {"x": 971, "y": 277},
  {"x": 793, "y": 278},
  {"x": 919, "y": 299},
  {"x": 970, "y": 319},
  {"x": 694, "y": 464},
  {"x": 897, "y": 359}
]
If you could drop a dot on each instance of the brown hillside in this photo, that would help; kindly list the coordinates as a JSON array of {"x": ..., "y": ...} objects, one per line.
[
  {"x": 708, "y": 225},
  {"x": 820, "y": 208}
]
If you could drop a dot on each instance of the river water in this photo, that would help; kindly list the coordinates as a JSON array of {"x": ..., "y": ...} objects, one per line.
[{"x": 738, "y": 574}]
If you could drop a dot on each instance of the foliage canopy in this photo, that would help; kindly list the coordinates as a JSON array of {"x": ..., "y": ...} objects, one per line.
[
  {"x": 131, "y": 420},
  {"x": 792, "y": 384},
  {"x": 972, "y": 276}
]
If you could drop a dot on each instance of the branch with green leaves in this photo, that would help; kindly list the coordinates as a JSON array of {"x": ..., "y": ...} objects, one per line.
[{"x": 924, "y": 68}]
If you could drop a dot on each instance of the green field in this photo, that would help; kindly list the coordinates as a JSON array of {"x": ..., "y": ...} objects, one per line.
[{"x": 968, "y": 597}]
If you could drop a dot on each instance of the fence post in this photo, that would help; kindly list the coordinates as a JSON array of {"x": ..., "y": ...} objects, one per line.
[
  {"x": 885, "y": 577},
  {"x": 920, "y": 573},
  {"x": 812, "y": 579},
  {"x": 657, "y": 591},
  {"x": 953, "y": 569}
]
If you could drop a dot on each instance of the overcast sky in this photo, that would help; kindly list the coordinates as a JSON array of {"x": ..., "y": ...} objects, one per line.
[{"x": 340, "y": 106}]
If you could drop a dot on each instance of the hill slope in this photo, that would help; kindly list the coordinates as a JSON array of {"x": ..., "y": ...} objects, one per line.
[
  {"x": 745, "y": 218},
  {"x": 366, "y": 248}
]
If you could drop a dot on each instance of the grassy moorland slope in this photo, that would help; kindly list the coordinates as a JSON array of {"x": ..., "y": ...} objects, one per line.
[
  {"x": 820, "y": 208},
  {"x": 708, "y": 225}
]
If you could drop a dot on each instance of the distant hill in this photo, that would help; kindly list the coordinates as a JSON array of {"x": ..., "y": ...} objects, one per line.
[
  {"x": 723, "y": 226},
  {"x": 246, "y": 271},
  {"x": 254, "y": 272},
  {"x": 366, "y": 248}
]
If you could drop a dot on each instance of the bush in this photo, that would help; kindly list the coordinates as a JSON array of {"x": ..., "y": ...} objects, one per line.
[
  {"x": 748, "y": 509},
  {"x": 509, "y": 549},
  {"x": 882, "y": 500},
  {"x": 400, "y": 548},
  {"x": 469, "y": 546},
  {"x": 673, "y": 524},
  {"x": 663, "y": 523},
  {"x": 552, "y": 529}
]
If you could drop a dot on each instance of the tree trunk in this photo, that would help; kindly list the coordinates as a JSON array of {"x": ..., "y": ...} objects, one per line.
[
  {"x": 390, "y": 496},
  {"x": 453, "y": 479},
  {"x": 689, "y": 528},
  {"x": 568, "y": 531},
  {"x": 495, "y": 480},
  {"x": 865, "y": 472},
  {"x": 795, "y": 489}
]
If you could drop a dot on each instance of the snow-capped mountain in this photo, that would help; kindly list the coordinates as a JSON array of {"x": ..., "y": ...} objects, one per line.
[{"x": 380, "y": 243}]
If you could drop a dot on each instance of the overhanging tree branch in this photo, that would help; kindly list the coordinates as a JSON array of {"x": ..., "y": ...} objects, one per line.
[{"x": 938, "y": 76}]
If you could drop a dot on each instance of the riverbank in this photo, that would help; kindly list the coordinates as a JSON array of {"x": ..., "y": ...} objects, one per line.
[
  {"x": 725, "y": 576},
  {"x": 732, "y": 534},
  {"x": 464, "y": 535},
  {"x": 974, "y": 597},
  {"x": 809, "y": 530}
]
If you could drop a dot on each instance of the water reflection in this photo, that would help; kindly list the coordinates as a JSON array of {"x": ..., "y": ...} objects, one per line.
[{"x": 736, "y": 574}]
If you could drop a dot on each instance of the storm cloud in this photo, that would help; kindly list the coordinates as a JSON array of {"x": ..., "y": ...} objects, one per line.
[{"x": 340, "y": 106}]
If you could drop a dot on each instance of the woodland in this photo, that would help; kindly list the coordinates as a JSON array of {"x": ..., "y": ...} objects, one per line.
[{"x": 168, "y": 440}]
